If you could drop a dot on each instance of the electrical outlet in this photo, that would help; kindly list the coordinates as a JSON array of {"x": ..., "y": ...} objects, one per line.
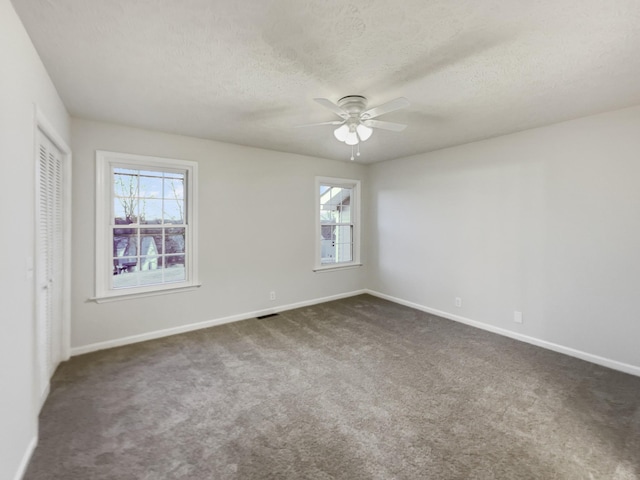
[
  {"x": 517, "y": 317},
  {"x": 458, "y": 302},
  {"x": 272, "y": 295}
]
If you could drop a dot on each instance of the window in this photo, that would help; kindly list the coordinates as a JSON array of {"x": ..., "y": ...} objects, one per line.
[
  {"x": 146, "y": 234},
  {"x": 338, "y": 229}
]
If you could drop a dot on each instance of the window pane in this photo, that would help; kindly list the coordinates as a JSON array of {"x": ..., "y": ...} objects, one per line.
[
  {"x": 174, "y": 188},
  {"x": 328, "y": 197},
  {"x": 344, "y": 252},
  {"x": 150, "y": 184},
  {"x": 125, "y": 279},
  {"x": 327, "y": 251},
  {"x": 344, "y": 214},
  {"x": 174, "y": 270},
  {"x": 150, "y": 241},
  {"x": 148, "y": 246},
  {"x": 125, "y": 186},
  {"x": 326, "y": 232},
  {"x": 336, "y": 196},
  {"x": 148, "y": 262},
  {"x": 125, "y": 210},
  {"x": 171, "y": 261},
  {"x": 150, "y": 211},
  {"x": 174, "y": 240},
  {"x": 125, "y": 242},
  {"x": 173, "y": 211},
  {"x": 343, "y": 234},
  {"x": 149, "y": 273},
  {"x": 124, "y": 265},
  {"x": 328, "y": 214}
]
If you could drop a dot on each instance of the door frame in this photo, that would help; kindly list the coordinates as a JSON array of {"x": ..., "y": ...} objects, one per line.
[{"x": 46, "y": 127}]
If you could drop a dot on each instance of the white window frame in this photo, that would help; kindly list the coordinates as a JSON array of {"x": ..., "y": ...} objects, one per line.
[
  {"x": 355, "y": 220},
  {"x": 105, "y": 162}
]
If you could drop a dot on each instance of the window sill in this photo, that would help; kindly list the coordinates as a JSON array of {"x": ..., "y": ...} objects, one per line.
[
  {"x": 129, "y": 296},
  {"x": 331, "y": 268}
]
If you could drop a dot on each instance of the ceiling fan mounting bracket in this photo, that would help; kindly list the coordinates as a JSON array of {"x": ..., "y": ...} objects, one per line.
[{"x": 353, "y": 104}]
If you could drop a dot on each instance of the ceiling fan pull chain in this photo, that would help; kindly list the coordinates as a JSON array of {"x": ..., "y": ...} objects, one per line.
[
  {"x": 352, "y": 153},
  {"x": 358, "y": 154}
]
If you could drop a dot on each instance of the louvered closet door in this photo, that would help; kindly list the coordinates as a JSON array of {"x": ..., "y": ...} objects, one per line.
[{"x": 49, "y": 267}]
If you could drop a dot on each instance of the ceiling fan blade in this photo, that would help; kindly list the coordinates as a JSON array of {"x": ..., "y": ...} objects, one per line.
[
  {"x": 336, "y": 122},
  {"x": 332, "y": 106},
  {"x": 390, "y": 106},
  {"x": 394, "y": 127}
]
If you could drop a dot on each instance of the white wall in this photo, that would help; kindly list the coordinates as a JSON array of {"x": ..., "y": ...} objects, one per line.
[
  {"x": 256, "y": 233},
  {"x": 545, "y": 221},
  {"x": 23, "y": 83}
]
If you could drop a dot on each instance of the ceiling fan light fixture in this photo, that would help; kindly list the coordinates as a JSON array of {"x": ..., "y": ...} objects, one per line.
[
  {"x": 364, "y": 132},
  {"x": 341, "y": 132},
  {"x": 352, "y": 138}
]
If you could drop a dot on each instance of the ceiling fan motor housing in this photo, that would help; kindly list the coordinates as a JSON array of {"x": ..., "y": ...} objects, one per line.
[{"x": 353, "y": 104}]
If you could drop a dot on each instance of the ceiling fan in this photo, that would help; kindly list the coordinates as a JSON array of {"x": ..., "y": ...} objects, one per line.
[{"x": 358, "y": 122}]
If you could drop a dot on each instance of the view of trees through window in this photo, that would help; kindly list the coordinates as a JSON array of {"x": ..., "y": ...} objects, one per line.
[{"x": 148, "y": 227}]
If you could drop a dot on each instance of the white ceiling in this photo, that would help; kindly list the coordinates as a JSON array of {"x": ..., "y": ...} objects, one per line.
[{"x": 246, "y": 72}]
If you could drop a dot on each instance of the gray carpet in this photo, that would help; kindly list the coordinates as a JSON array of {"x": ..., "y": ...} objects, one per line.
[{"x": 354, "y": 389}]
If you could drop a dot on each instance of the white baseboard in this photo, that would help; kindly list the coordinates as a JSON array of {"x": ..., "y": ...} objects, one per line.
[
  {"x": 24, "y": 463},
  {"x": 118, "y": 342},
  {"x": 43, "y": 397},
  {"x": 605, "y": 362}
]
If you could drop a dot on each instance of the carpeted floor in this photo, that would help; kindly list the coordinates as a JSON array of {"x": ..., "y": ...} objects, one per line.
[{"x": 353, "y": 389}]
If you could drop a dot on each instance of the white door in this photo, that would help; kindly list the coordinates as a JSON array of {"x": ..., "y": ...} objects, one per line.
[{"x": 49, "y": 260}]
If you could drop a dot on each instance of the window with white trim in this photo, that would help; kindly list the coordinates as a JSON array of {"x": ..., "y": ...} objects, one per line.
[
  {"x": 337, "y": 223},
  {"x": 145, "y": 224}
]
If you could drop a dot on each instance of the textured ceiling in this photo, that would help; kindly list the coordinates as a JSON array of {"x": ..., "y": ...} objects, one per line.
[{"x": 246, "y": 72}]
